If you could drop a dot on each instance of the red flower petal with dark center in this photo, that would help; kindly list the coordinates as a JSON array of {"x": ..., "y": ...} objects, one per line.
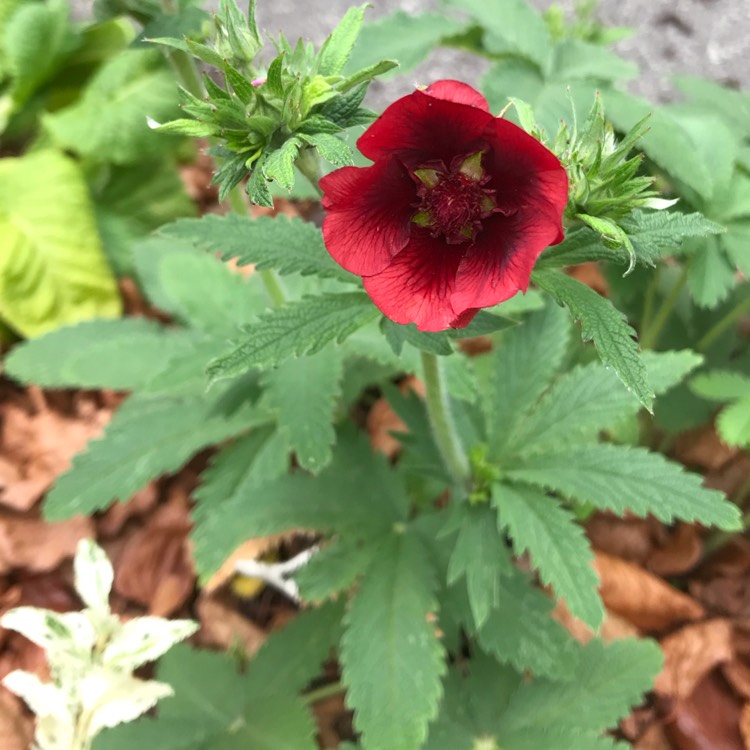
[
  {"x": 452, "y": 215},
  {"x": 368, "y": 214}
]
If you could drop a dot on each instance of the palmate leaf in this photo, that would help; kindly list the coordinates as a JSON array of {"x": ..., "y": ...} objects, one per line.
[
  {"x": 391, "y": 658},
  {"x": 116, "y": 354},
  {"x": 108, "y": 123},
  {"x": 303, "y": 393},
  {"x": 286, "y": 245},
  {"x": 537, "y": 524},
  {"x": 52, "y": 268},
  {"x": 621, "y": 479},
  {"x": 217, "y": 708},
  {"x": 295, "y": 329},
  {"x": 147, "y": 437},
  {"x": 603, "y": 324}
]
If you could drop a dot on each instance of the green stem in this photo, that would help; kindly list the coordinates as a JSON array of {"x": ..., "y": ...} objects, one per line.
[
  {"x": 721, "y": 326},
  {"x": 441, "y": 420},
  {"x": 323, "y": 692},
  {"x": 307, "y": 163},
  {"x": 651, "y": 335}
]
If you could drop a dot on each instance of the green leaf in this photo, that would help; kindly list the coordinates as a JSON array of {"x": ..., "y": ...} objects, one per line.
[
  {"x": 710, "y": 277},
  {"x": 481, "y": 556},
  {"x": 303, "y": 393},
  {"x": 397, "y": 335},
  {"x": 52, "y": 269},
  {"x": 732, "y": 106},
  {"x": 337, "y": 500},
  {"x": 286, "y": 245},
  {"x": 391, "y": 658},
  {"x": 195, "y": 287},
  {"x": 108, "y": 123},
  {"x": 279, "y": 165},
  {"x": 608, "y": 328},
  {"x": 337, "y": 48},
  {"x": 331, "y": 148},
  {"x": 147, "y": 437},
  {"x": 518, "y": 370},
  {"x": 295, "y": 329},
  {"x": 733, "y": 422},
  {"x": 626, "y": 479},
  {"x": 719, "y": 385},
  {"x": 116, "y": 354},
  {"x": 575, "y": 59},
  {"x": 405, "y": 37},
  {"x": 539, "y": 525},
  {"x": 521, "y": 631}
]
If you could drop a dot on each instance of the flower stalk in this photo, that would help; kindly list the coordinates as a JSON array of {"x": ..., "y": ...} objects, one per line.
[{"x": 441, "y": 420}]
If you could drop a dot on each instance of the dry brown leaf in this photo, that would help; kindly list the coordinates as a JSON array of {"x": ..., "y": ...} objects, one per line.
[
  {"x": 16, "y": 724},
  {"x": 252, "y": 549},
  {"x": 691, "y": 653},
  {"x": 745, "y": 725},
  {"x": 681, "y": 551},
  {"x": 702, "y": 448},
  {"x": 111, "y": 522},
  {"x": 613, "y": 628},
  {"x": 653, "y": 738},
  {"x": 737, "y": 674},
  {"x": 591, "y": 275},
  {"x": 628, "y": 538},
  {"x": 223, "y": 627},
  {"x": 329, "y": 714},
  {"x": 382, "y": 420},
  {"x": 730, "y": 477},
  {"x": 37, "y": 546},
  {"x": 640, "y": 597}
]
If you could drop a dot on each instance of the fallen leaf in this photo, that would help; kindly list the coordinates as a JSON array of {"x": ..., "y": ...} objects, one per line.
[
  {"x": 745, "y": 725},
  {"x": 252, "y": 549},
  {"x": 691, "y": 653},
  {"x": 640, "y": 597},
  {"x": 654, "y": 738},
  {"x": 382, "y": 420},
  {"x": 681, "y": 551},
  {"x": 223, "y": 627},
  {"x": 591, "y": 275},
  {"x": 628, "y": 538},
  {"x": 613, "y": 628},
  {"x": 702, "y": 448},
  {"x": 112, "y": 521},
  {"x": 737, "y": 674},
  {"x": 16, "y": 724}
]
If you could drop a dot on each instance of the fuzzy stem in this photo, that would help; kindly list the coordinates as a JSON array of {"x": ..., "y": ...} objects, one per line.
[
  {"x": 651, "y": 335},
  {"x": 323, "y": 692},
  {"x": 308, "y": 164},
  {"x": 727, "y": 321},
  {"x": 441, "y": 420}
]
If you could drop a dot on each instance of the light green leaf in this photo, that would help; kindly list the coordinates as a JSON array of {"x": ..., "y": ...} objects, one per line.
[
  {"x": 625, "y": 479},
  {"x": 279, "y": 165},
  {"x": 733, "y": 422},
  {"x": 286, "y": 245},
  {"x": 719, "y": 385},
  {"x": 391, "y": 658},
  {"x": 108, "y": 123},
  {"x": 606, "y": 326},
  {"x": 539, "y": 525},
  {"x": 732, "y": 106},
  {"x": 303, "y": 393},
  {"x": 481, "y": 556},
  {"x": 52, "y": 269},
  {"x": 575, "y": 59},
  {"x": 295, "y": 329},
  {"x": 518, "y": 370},
  {"x": 710, "y": 277},
  {"x": 736, "y": 243},
  {"x": 116, "y": 354},
  {"x": 337, "y": 48},
  {"x": 331, "y": 148},
  {"x": 147, "y": 437}
]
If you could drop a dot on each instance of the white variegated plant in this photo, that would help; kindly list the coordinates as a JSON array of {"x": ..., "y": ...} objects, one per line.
[{"x": 91, "y": 656}]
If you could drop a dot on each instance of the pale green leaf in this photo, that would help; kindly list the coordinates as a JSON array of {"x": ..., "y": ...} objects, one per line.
[
  {"x": 710, "y": 277},
  {"x": 733, "y": 106},
  {"x": 331, "y": 148},
  {"x": 93, "y": 575},
  {"x": 539, "y": 525},
  {"x": 625, "y": 479},
  {"x": 733, "y": 423},
  {"x": 146, "y": 438},
  {"x": 286, "y": 245},
  {"x": 337, "y": 48},
  {"x": 295, "y": 329},
  {"x": 116, "y": 354},
  {"x": 606, "y": 326},
  {"x": 303, "y": 393},
  {"x": 575, "y": 59},
  {"x": 279, "y": 164},
  {"x": 391, "y": 658},
  {"x": 52, "y": 268},
  {"x": 736, "y": 244},
  {"x": 108, "y": 123},
  {"x": 723, "y": 386}
]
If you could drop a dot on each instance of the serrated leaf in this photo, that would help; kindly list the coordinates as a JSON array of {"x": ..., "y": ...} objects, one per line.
[
  {"x": 147, "y": 437},
  {"x": 733, "y": 106},
  {"x": 279, "y": 164},
  {"x": 286, "y": 245},
  {"x": 710, "y": 276},
  {"x": 518, "y": 370},
  {"x": 733, "y": 423},
  {"x": 577, "y": 59},
  {"x": 52, "y": 268},
  {"x": 521, "y": 631},
  {"x": 303, "y": 393},
  {"x": 391, "y": 658},
  {"x": 337, "y": 48},
  {"x": 539, "y": 525},
  {"x": 108, "y": 123},
  {"x": 481, "y": 556},
  {"x": 331, "y": 148},
  {"x": 116, "y": 354},
  {"x": 621, "y": 479},
  {"x": 723, "y": 386},
  {"x": 397, "y": 335},
  {"x": 295, "y": 329},
  {"x": 603, "y": 324}
]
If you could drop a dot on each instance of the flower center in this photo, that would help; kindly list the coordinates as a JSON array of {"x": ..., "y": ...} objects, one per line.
[{"x": 453, "y": 201}]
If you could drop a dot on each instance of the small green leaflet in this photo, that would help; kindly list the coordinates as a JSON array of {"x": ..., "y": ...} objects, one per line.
[
  {"x": 391, "y": 658},
  {"x": 710, "y": 275},
  {"x": 279, "y": 164},
  {"x": 733, "y": 421},
  {"x": 337, "y": 48},
  {"x": 539, "y": 525},
  {"x": 606, "y": 326},
  {"x": 621, "y": 478},
  {"x": 295, "y": 329},
  {"x": 286, "y": 245}
]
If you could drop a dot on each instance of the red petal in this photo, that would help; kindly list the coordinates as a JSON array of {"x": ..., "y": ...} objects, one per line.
[
  {"x": 458, "y": 92},
  {"x": 420, "y": 128},
  {"x": 417, "y": 286},
  {"x": 368, "y": 216}
]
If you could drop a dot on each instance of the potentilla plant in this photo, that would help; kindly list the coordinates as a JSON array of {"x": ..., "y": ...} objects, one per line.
[{"x": 442, "y": 638}]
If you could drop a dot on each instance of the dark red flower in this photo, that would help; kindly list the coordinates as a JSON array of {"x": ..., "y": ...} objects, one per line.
[{"x": 452, "y": 214}]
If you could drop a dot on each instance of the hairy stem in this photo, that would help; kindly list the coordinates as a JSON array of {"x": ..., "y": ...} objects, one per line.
[
  {"x": 323, "y": 692},
  {"x": 308, "y": 163},
  {"x": 651, "y": 335},
  {"x": 441, "y": 420}
]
